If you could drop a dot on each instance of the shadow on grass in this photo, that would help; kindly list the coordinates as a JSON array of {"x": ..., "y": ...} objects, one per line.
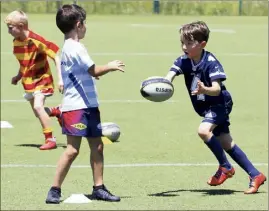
[
  {"x": 89, "y": 196},
  {"x": 38, "y": 145},
  {"x": 174, "y": 193}
]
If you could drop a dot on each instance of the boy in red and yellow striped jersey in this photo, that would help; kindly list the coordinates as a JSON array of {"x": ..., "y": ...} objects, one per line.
[{"x": 32, "y": 50}]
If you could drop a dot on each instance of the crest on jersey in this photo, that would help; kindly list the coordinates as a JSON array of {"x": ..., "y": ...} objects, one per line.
[
  {"x": 211, "y": 58},
  {"x": 210, "y": 115}
]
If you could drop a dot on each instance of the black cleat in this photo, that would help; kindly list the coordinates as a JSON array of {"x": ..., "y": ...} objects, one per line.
[
  {"x": 101, "y": 193},
  {"x": 54, "y": 196}
]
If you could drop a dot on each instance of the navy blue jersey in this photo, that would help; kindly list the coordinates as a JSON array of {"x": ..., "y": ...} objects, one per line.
[{"x": 207, "y": 70}]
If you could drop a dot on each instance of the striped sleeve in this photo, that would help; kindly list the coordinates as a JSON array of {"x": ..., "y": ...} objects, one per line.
[
  {"x": 216, "y": 72},
  {"x": 47, "y": 47},
  {"x": 177, "y": 66}
]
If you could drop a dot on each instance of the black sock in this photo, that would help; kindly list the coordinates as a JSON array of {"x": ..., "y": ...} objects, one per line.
[{"x": 98, "y": 187}]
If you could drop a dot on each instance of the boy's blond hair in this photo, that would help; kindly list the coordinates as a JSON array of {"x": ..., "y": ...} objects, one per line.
[{"x": 17, "y": 17}]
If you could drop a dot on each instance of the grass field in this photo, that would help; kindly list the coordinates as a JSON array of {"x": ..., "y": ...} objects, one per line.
[{"x": 152, "y": 133}]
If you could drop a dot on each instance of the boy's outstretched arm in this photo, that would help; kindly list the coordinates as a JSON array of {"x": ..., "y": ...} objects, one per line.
[
  {"x": 170, "y": 76},
  {"x": 97, "y": 71},
  {"x": 58, "y": 67}
]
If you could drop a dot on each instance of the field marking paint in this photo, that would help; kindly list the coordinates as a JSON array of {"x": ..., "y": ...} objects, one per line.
[
  {"x": 227, "y": 31},
  {"x": 6, "y": 124},
  {"x": 161, "y": 54},
  {"x": 123, "y": 165}
]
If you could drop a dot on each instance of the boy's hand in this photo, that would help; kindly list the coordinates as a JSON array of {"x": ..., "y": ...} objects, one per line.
[
  {"x": 61, "y": 86},
  {"x": 15, "y": 80},
  {"x": 116, "y": 65},
  {"x": 201, "y": 89}
]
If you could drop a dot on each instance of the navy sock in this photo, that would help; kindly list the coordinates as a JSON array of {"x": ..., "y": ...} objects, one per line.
[
  {"x": 241, "y": 159},
  {"x": 98, "y": 187},
  {"x": 214, "y": 145}
]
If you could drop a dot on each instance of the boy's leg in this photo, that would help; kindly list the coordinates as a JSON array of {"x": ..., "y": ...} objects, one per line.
[
  {"x": 97, "y": 159},
  {"x": 256, "y": 177},
  {"x": 37, "y": 104},
  {"x": 100, "y": 192},
  {"x": 63, "y": 166},
  {"x": 225, "y": 169},
  {"x": 214, "y": 118},
  {"x": 74, "y": 127}
]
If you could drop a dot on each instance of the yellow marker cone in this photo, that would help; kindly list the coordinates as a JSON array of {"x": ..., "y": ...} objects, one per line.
[{"x": 106, "y": 140}]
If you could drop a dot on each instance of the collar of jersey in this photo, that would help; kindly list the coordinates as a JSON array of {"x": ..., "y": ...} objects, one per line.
[{"x": 201, "y": 61}]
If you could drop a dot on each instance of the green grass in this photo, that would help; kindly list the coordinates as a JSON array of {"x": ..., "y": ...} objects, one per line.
[{"x": 151, "y": 132}]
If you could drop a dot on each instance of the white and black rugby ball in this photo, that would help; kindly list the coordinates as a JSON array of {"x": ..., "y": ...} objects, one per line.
[
  {"x": 157, "y": 89},
  {"x": 110, "y": 130}
]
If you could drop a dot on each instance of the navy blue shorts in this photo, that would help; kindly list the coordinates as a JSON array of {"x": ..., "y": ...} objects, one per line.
[
  {"x": 218, "y": 115},
  {"x": 84, "y": 122}
]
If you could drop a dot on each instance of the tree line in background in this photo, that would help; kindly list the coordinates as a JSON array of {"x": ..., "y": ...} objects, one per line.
[{"x": 165, "y": 7}]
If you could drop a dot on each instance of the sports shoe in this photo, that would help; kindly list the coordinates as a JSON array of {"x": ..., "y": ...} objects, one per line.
[
  {"x": 255, "y": 183},
  {"x": 221, "y": 175},
  {"x": 101, "y": 193},
  {"x": 49, "y": 144},
  {"x": 55, "y": 112},
  {"x": 54, "y": 196}
]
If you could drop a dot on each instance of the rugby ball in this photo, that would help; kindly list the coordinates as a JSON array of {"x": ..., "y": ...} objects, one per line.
[
  {"x": 157, "y": 89},
  {"x": 110, "y": 130}
]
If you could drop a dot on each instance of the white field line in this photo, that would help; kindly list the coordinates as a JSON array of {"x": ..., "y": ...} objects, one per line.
[
  {"x": 227, "y": 31},
  {"x": 123, "y": 165},
  {"x": 159, "y": 54},
  {"x": 101, "y": 101}
]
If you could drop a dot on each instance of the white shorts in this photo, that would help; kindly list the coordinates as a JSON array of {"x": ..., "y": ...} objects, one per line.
[{"x": 30, "y": 95}]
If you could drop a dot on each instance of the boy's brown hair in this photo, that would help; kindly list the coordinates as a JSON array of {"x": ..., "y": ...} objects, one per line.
[
  {"x": 68, "y": 16},
  {"x": 195, "y": 31}
]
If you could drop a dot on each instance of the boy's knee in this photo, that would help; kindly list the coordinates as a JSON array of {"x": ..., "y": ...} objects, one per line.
[
  {"x": 38, "y": 108},
  {"x": 204, "y": 133},
  {"x": 100, "y": 148},
  {"x": 97, "y": 146},
  {"x": 72, "y": 153}
]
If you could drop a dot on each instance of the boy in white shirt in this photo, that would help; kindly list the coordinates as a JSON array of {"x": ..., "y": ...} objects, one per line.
[{"x": 80, "y": 113}]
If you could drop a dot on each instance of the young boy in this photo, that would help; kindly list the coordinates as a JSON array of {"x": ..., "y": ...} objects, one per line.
[
  {"x": 32, "y": 50},
  {"x": 204, "y": 75},
  {"x": 80, "y": 113}
]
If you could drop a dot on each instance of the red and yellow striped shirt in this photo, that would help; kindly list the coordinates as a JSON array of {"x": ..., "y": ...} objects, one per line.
[{"x": 32, "y": 55}]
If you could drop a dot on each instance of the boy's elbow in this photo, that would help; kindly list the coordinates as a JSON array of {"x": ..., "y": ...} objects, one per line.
[
  {"x": 93, "y": 74},
  {"x": 92, "y": 71}
]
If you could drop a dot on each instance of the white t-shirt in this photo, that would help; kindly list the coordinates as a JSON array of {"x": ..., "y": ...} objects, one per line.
[{"x": 79, "y": 86}]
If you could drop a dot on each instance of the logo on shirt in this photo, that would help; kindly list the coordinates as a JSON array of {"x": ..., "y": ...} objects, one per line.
[
  {"x": 210, "y": 115},
  {"x": 211, "y": 58},
  {"x": 79, "y": 126},
  {"x": 218, "y": 69}
]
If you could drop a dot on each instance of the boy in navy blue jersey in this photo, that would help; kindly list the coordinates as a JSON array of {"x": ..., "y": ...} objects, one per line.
[{"x": 204, "y": 76}]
